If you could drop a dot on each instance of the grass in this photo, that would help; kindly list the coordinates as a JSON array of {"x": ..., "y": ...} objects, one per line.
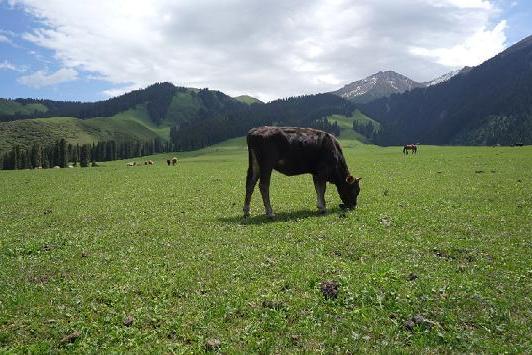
[
  {"x": 444, "y": 235},
  {"x": 346, "y": 125},
  {"x": 248, "y": 99},
  {"x": 132, "y": 124}
]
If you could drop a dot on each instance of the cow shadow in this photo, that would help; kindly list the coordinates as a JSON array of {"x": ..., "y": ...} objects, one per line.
[{"x": 280, "y": 217}]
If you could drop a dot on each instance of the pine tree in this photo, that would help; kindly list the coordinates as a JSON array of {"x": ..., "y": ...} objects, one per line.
[
  {"x": 84, "y": 155},
  {"x": 62, "y": 158}
]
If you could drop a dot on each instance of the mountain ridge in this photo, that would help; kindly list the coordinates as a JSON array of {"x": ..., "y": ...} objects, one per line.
[{"x": 487, "y": 104}]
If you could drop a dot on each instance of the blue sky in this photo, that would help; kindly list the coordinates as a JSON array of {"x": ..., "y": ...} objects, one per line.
[{"x": 86, "y": 51}]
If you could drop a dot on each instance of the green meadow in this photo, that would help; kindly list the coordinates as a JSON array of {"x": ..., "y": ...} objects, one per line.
[{"x": 436, "y": 257}]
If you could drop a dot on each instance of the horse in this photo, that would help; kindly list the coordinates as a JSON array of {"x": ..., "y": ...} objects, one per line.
[{"x": 411, "y": 147}]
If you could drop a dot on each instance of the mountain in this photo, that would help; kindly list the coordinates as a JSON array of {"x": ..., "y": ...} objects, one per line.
[
  {"x": 378, "y": 85},
  {"x": 140, "y": 115},
  {"x": 447, "y": 76},
  {"x": 183, "y": 117},
  {"x": 488, "y": 104}
]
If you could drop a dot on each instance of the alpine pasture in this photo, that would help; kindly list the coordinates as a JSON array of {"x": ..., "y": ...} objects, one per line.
[{"x": 436, "y": 257}]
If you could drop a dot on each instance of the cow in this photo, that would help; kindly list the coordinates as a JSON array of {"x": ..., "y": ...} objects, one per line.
[
  {"x": 174, "y": 161},
  {"x": 168, "y": 161},
  {"x": 132, "y": 163},
  {"x": 295, "y": 151}
]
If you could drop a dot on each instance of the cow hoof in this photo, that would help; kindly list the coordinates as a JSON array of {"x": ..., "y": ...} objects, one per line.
[
  {"x": 271, "y": 216},
  {"x": 246, "y": 215},
  {"x": 320, "y": 211}
]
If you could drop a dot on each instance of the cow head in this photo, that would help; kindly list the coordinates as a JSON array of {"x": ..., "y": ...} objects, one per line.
[{"x": 348, "y": 191}]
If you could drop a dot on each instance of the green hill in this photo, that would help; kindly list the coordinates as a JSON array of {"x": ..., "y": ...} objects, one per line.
[
  {"x": 133, "y": 124},
  {"x": 187, "y": 118},
  {"x": 346, "y": 126},
  {"x": 246, "y": 99},
  {"x": 12, "y": 107}
]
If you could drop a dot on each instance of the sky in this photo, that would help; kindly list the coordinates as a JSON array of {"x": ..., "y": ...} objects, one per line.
[{"x": 93, "y": 50}]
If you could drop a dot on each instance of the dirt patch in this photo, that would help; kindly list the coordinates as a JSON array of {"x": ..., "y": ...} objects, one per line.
[
  {"x": 213, "y": 344},
  {"x": 420, "y": 322},
  {"x": 330, "y": 289},
  {"x": 70, "y": 338}
]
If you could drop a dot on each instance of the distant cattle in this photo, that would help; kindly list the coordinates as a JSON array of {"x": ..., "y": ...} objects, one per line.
[
  {"x": 168, "y": 161},
  {"x": 408, "y": 147},
  {"x": 174, "y": 161},
  {"x": 295, "y": 151},
  {"x": 149, "y": 162},
  {"x": 519, "y": 144},
  {"x": 133, "y": 163}
]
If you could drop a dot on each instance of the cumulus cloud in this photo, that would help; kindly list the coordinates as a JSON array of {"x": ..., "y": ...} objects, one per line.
[
  {"x": 41, "y": 78},
  {"x": 265, "y": 48}
]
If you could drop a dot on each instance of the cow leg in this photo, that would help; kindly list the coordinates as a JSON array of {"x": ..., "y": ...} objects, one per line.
[
  {"x": 320, "y": 185},
  {"x": 264, "y": 185},
  {"x": 251, "y": 181}
]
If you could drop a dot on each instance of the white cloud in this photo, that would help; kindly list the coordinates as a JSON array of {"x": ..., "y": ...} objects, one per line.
[
  {"x": 4, "y": 39},
  {"x": 474, "y": 50},
  {"x": 5, "y": 65},
  {"x": 121, "y": 90},
  {"x": 265, "y": 48},
  {"x": 41, "y": 78}
]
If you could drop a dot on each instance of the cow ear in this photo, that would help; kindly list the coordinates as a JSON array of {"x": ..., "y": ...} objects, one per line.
[
  {"x": 358, "y": 179},
  {"x": 350, "y": 179}
]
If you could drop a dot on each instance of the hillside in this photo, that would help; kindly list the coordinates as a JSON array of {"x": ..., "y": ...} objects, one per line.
[
  {"x": 138, "y": 115},
  {"x": 365, "y": 126},
  {"x": 488, "y": 104},
  {"x": 130, "y": 125},
  {"x": 246, "y": 99},
  {"x": 13, "y": 108}
]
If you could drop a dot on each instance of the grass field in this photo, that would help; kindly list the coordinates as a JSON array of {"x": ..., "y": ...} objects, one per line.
[{"x": 436, "y": 258}]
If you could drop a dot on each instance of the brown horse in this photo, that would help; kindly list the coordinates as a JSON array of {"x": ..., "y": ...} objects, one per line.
[{"x": 411, "y": 147}]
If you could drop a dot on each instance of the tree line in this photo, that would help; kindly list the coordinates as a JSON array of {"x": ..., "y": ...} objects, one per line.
[{"x": 62, "y": 154}]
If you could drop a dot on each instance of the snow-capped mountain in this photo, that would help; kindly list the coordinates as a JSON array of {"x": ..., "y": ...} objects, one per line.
[
  {"x": 447, "y": 76},
  {"x": 386, "y": 83},
  {"x": 381, "y": 84}
]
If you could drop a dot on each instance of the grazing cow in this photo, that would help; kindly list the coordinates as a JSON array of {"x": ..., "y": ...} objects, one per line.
[
  {"x": 294, "y": 151},
  {"x": 151, "y": 162},
  {"x": 411, "y": 147},
  {"x": 133, "y": 163},
  {"x": 174, "y": 161},
  {"x": 168, "y": 161}
]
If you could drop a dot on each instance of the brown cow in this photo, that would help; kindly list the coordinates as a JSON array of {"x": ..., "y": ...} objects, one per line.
[
  {"x": 174, "y": 161},
  {"x": 295, "y": 151}
]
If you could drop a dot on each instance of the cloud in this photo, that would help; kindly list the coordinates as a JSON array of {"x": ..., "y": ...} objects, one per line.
[
  {"x": 41, "y": 78},
  {"x": 4, "y": 39},
  {"x": 120, "y": 90},
  {"x": 267, "y": 49},
  {"x": 6, "y": 65},
  {"x": 473, "y": 51}
]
